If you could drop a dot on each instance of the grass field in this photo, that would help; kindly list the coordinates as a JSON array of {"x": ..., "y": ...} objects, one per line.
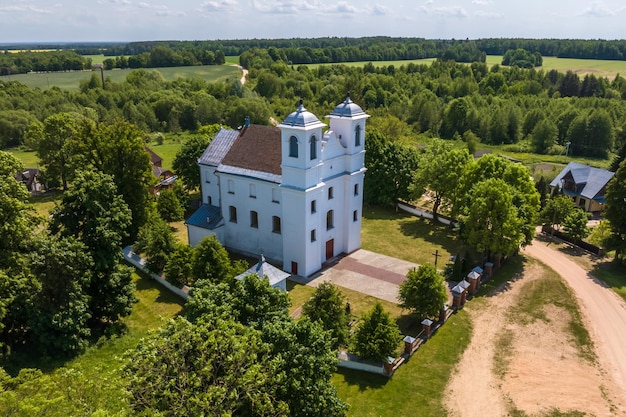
[
  {"x": 602, "y": 68},
  {"x": 407, "y": 237},
  {"x": 71, "y": 80}
]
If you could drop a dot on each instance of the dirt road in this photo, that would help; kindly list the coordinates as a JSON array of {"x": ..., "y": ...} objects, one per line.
[{"x": 604, "y": 311}]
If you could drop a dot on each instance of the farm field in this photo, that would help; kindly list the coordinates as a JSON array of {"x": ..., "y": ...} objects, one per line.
[
  {"x": 71, "y": 80},
  {"x": 602, "y": 68}
]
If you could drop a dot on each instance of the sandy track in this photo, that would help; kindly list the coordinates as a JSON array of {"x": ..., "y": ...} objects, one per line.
[
  {"x": 604, "y": 311},
  {"x": 545, "y": 371}
]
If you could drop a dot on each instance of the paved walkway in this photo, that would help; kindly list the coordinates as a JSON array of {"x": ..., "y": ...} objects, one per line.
[{"x": 366, "y": 272}]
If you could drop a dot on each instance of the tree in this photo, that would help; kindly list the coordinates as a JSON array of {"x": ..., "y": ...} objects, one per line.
[
  {"x": 557, "y": 209},
  {"x": 94, "y": 212},
  {"x": 59, "y": 320},
  {"x": 615, "y": 207},
  {"x": 16, "y": 218},
  {"x": 377, "y": 336},
  {"x": 169, "y": 206},
  {"x": 157, "y": 242},
  {"x": 211, "y": 262},
  {"x": 439, "y": 170},
  {"x": 120, "y": 152},
  {"x": 492, "y": 224},
  {"x": 326, "y": 306},
  {"x": 423, "y": 292},
  {"x": 178, "y": 269},
  {"x": 255, "y": 301},
  {"x": 390, "y": 170},
  {"x": 575, "y": 224},
  {"x": 60, "y": 143},
  {"x": 544, "y": 135},
  {"x": 307, "y": 363},
  {"x": 218, "y": 367},
  {"x": 186, "y": 161}
]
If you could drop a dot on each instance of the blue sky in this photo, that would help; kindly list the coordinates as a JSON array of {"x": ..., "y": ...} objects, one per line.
[{"x": 135, "y": 20}]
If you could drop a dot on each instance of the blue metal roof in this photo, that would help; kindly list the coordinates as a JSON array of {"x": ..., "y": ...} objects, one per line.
[
  {"x": 594, "y": 179},
  {"x": 348, "y": 109},
  {"x": 301, "y": 117},
  {"x": 206, "y": 217},
  {"x": 219, "y": 147}
]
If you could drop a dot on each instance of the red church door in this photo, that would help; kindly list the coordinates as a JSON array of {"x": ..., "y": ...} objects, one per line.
[
  {"x": 330, "y": 249},
  {"x": 294, "y": 268}
]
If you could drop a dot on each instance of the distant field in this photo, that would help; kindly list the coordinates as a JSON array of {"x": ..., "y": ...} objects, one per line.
[
  {"x": 602, "y": 68},
  {"x": 71, "y": 80}
]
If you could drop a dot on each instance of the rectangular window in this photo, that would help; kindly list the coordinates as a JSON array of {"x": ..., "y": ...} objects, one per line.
[
  {"x": 331, "y": 193},
  {"x": 355, "y": 216},
  {"x": 233, "y": 213},
  {"x": 313, "y": 237},
  {"x": 254, "y": 219},
  {"x": 356, "y": 189},
  {"x": 208, "y": 178},
  {"x": 275, "y": 195},
  {"x": 252, "y": 191},
  {"x": 231, "y": 187},
  {"x": 313, "y": 206},
  {"x": 210, "y": 201},
  {"x": 276, "y": 224}
]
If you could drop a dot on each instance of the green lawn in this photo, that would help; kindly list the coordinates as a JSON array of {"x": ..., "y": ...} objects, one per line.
[
  {"x": 407, "y": 237},
  {"x": 417, "y": 388},
  {"x": 71, "y": 80},
  {"x": 614, "y": 275}
]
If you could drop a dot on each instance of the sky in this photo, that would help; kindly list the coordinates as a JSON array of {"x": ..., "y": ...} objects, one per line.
[{"x": 141, "y": 20}]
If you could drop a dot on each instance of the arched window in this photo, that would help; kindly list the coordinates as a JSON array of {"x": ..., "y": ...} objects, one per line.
[
  {"x": 313, "y": 147},
  {"x": 357, "y": 135},
  {"x": 330, "y": 219},
  {"x": 293, "y": 147}
]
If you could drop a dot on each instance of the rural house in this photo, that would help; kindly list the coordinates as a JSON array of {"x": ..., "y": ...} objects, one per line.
[
  {"x": 584, "y": 184},
  {"x": 292, "y": 193},
  {"x": 165, "y": 178}
]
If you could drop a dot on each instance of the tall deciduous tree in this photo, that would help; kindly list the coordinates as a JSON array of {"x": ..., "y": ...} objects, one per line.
[
  {"x": 186, "y": 161},
  {"x": 575, "y": 224},
  {"x": 544, "y": 135},
  {"x": 60, "y": 309},
  {"x": 59, "y": 144},
  {"x": 169, "y": 207},
  {"x": 423, "y": 292},
  {"x": 615, "y": 208},
  {"x": 211, "y": 262},
  {"x": 556, "y": 210},
  {"x": 390, "y": 170},
  {"x": 327, "y": 305},
  {"x": 157, "y": 241},
  {"x": 122, "y": 154},
  {"x": 492, "y": 224},
  {"x": 439, "y": 170},
  {"x": 218, "y": 367},
  {"x": 377, "y": 336},
  {"x": 94, "y": 212}
]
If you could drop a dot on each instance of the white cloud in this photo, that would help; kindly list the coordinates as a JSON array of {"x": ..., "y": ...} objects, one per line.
[
  {"x": 343, "y": 7},
  {"x": 488, "y": 15},
  {"x": 23, "y": 9},
  {"x": 380, "y": 10},
  {"x": 283, "y": 7},
  {"x": 219, "y": 6},
  {"x": 482, "y": 2},
  {"x": 449, "y": 11},
  {"x": 598, "y": 9}
]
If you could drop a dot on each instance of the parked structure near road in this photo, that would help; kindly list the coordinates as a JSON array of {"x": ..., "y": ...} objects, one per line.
[
  {"x": 584, "y": 184},
  {"x": 293, "y": 192}
]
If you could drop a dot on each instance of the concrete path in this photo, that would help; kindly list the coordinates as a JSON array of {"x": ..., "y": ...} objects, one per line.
[
  {"x": 366, "y": 272},
  {"x": 604, "y": 310}
]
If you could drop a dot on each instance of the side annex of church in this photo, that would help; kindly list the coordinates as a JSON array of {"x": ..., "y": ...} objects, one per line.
[{"x": 293, "y": 193}]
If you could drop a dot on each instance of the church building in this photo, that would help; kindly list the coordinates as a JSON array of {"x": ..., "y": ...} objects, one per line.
[{"x": 292, "y": 193}]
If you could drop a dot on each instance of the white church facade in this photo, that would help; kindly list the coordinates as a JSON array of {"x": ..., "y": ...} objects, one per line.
[{"x": 293, "y": 193}]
